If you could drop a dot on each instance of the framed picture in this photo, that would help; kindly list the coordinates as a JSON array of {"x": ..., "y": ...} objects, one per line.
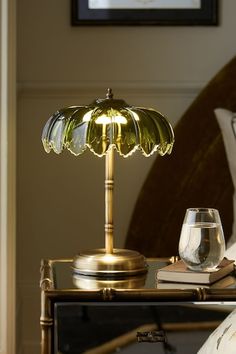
[{"x": 144, "y": 12}]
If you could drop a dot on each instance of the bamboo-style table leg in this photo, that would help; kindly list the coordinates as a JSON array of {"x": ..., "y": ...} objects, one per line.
[{"x": 46, "y": 319}]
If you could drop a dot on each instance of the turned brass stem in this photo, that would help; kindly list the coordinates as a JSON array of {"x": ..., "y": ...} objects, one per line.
[{"x": 109, "y": 188}]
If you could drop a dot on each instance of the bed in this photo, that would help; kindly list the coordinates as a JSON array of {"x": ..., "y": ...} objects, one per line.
[{"x": 196, "y": 174}]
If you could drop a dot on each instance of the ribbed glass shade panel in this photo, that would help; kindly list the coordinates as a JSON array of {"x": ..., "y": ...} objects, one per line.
[
  {"x": 156, "y": 134},
  {"x": 97, "y": 127},
  {"x": 77, "y": 130},
  {"x": 56, "y": 133}
]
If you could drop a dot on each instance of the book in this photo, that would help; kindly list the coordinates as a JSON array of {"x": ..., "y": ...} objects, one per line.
[
  {"x": 178, "y": 272},
  {"x": 227, "y": 282}
]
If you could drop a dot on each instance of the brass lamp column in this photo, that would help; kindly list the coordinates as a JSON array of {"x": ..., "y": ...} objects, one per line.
[
  {"x": 109, "y": 188},
  {"x": 109, "y": 262},
  {"x": 104, "y": 126}
]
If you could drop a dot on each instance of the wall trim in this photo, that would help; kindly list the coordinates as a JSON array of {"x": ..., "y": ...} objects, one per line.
[
  {"x": 7, "y": 174},
  {"x": 91, "y": 88}
]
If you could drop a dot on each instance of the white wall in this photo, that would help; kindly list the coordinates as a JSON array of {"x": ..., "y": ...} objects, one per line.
[{"x": 60, "y": 198}]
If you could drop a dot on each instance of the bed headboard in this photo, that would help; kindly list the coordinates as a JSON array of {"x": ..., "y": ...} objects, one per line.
[{"x": 196, "y": 174}]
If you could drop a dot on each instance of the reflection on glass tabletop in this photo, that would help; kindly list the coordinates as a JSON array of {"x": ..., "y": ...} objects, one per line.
[{"x": 65, "y": 278}]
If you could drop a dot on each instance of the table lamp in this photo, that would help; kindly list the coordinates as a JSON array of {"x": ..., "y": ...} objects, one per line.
[{"x": 104, "y": 126}]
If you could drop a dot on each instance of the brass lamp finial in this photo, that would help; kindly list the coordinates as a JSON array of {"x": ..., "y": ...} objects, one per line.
[{"x": 109, "y": 94}]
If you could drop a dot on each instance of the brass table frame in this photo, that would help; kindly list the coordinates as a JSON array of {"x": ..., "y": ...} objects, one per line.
[{"x": 50, "y": 295}]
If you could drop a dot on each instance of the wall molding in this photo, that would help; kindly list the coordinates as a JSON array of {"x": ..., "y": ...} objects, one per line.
[
  {"x": 52, "y": 89},
  {"x": 7, "y": 175}
]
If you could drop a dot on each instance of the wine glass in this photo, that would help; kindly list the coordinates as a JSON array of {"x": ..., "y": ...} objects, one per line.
[{"x": 202, "y": 243}]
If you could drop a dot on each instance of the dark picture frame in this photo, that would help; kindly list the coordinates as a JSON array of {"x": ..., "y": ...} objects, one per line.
[{"x": 206, "y": 15}]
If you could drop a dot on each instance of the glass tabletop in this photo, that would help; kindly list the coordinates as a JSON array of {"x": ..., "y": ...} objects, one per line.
[{"x": 65, "y": 278}]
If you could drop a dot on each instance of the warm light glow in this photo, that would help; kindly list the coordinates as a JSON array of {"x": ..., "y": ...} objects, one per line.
[
  {"x": 103, "y": 119},
  {"x": 119, "y": 119},
  {"x": 109, "y": 258}
]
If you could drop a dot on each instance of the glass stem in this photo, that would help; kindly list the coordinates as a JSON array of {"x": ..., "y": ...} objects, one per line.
[{"x": 109, "y": 189}]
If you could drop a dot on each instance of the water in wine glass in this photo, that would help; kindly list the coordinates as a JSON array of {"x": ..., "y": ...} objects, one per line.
[{"x": 201, "y": 245}]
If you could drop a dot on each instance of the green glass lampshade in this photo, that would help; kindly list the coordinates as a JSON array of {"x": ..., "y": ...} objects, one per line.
[
  {"x": 104, "y": 126},
  {"x": 105, "y": 123}
]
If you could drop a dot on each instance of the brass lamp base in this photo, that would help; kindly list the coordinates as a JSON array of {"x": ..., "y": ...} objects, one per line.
[
  {"x": 95, "y": 282},
  {"x": 120, "y": 263}
]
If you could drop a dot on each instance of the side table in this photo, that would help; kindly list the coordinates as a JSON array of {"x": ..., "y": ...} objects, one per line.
[{"x": 62, "y": 290}]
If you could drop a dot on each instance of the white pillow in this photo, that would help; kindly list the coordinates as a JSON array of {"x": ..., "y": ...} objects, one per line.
[
  {"x": 223, "y": 339},
  {"x": 227, "y": 123}
]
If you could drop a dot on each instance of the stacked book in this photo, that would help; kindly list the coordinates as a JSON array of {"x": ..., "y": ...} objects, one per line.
[{"x": 178, "y": 273}]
